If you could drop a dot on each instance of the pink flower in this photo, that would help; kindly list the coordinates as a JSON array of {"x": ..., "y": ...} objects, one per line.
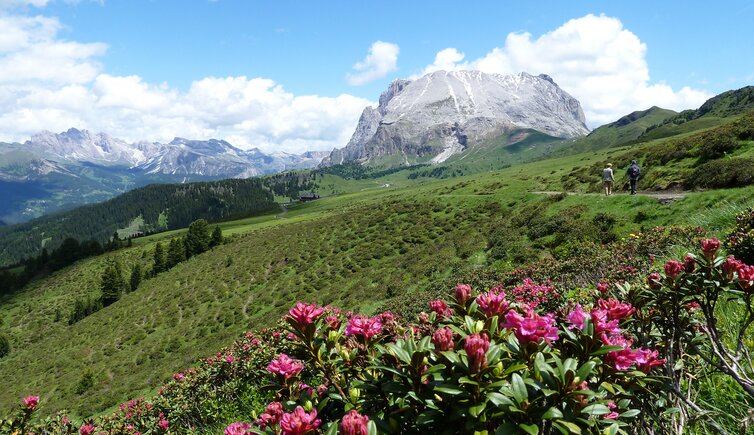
[
  {"x": 745, "y": 276},
  {"x": 710, "y": 247},
  {"x": 354, "y": 423},
  {"x": 443, "y": 339},
  {"x": 476, "y": 347},
  {"x": 299, "y": 422},
  {"x": 576, "y": 318},
  {"x": 363, "y": 326},
  {"x": 533, "y": 327},
  {"x": 275, "y": 409},
  {"x": 731, "y": 265},
  {"x": 689, "y": 263},
  {"x": 31, "y": 402},
  {"x": 601, "y": 321},
  {"x": 178, "y": 377},
  {"x": 229, "y": 359},
  {"x": 603, "y": 287},
  {"x": 304, "y": 314},
  {"x": 620, "y": 359},
  {"x": 492, "y": 303},
  {"x": 305, "y": 388},
  {"x": 387, "y": 317},
  {"x": 653, "y": 280},
  {"x": 163, "y": 424},
  {"x": 646, "y": 359},
  {"x": 462, "y": 291},
  {"x": 440, "y": 307},
  {"x": 612, "y": 415},
  {"x": 255, "y": 342},
  {"x": 86, "y": 429},
  {"x": 238, "y": 428},
  {"x": 673, "y": 268},
  {"x": 285, "y": 366},
  {"x": 332, "y": 322},
  {"x": 615, "y": 309}
]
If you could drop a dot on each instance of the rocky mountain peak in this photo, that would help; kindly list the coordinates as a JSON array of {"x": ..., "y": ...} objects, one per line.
[{"x": 425, "y": 117}]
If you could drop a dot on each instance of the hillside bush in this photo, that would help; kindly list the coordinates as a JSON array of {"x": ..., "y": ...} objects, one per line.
[
  {"x": 4, "y": 345},
  {"x": 723, "y": 173},
  {"x": 740, "y": 242}
]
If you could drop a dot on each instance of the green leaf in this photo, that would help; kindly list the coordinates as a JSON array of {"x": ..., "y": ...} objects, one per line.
[
  {"x": 570, "y": 426},
  {"x": 630, "y": 413},
  {"x": 531, "y": 429},
  {"x": 552, "y": 413},
  {"x": 467, "y": 380},
  {"x": 498, "y": 399},
  {"x": 596, "y": 409},
  {"x": 585, "y": 370},
  {"x": 519, "y": 388},
  {"x": 371, "y": 428},
  {"x": 605, "y": 349},
  {"x": 477, "y": 409},
  {"x": 448, "y": 389},
  {"x": 332, "y": 429}
]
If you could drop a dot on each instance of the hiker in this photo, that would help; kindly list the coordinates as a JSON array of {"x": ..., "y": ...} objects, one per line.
[
  {"x": 608, "y": 179},
  {"x": 633, "y": 175}
]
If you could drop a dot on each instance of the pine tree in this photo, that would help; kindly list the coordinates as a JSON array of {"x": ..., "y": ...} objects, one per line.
[
  {"x": 176, "y": 253},
  {"x": 159, "y": 259},
  {"x": 135, "y": 277},
  {"x": 197, "y": 238},
  {"x": 217, "y": 237},
  {"x": 112, "y": 284}
]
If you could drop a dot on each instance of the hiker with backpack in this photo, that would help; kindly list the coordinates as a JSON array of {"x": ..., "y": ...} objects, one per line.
[{"x": 633, "y": 175}]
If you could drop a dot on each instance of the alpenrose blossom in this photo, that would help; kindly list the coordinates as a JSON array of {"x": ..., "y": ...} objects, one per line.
[
  {"x": 305, "y": 314},
  {"x": 533, "y": 327},
  {"x": 602, "y": 322},
  {"x": 272, "y": 415},
  {"x": 163, "y": 424},
  {"x": 462, "y": 291},
  {"x": 745, "y": 276},
  {"x": 646, "y": 359},
  {"x": 603, "y": 287},
  {"x": 87, "y": 429},
  {"x": 653, "y": 280},
  {"x": 354, "y": 423},
  {"x": 492, "y": 303},
  {"x": 730, "y": 266},
  {"x": 440, "y": 307},
  {"x": 576, "y": 317},
  {"x": 615, "y": 309},
  {"x": 673, "y": 268},
  {"x": 710, "y": 247},
  {"x": 363, "y": 326},
  {"x": 443, "y": 339},
  {"x": 332, "y": 322},
  {"x": 31, "y": 402},
  {"x": 476, "y": 347},
  {"x": 299, "y": 422},
  {"x": 285, "y": 366},
  {"x": 689, "y": 263},
  {"x": 238, "y": 428}
]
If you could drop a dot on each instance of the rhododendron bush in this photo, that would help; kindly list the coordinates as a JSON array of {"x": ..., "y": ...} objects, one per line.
[{"x": 509, "y": 359}]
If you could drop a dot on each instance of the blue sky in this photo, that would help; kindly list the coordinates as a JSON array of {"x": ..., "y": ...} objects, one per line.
[{"x": 281, "y": 75}]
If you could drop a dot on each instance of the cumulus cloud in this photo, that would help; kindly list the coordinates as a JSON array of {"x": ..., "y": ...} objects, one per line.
[
  {"x": 594, "y": 58},
  {"x": 8, "y": 4},
  {"x": 381, "y": 60},
  {"x": 47, "y": 83}
]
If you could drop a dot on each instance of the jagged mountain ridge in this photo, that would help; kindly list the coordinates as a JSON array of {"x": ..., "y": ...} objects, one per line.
[
  {"x": 447, "y": 112},
  {"x": 215, "y": 158}
]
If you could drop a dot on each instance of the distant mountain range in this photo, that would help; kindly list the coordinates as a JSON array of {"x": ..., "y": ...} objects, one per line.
[
  {"x": 52, "y": 171},
  {"x": 449, "y": 113}
]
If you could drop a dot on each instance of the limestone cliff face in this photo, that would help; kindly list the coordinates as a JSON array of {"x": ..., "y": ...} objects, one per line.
[{"x": 444, "y": 113}]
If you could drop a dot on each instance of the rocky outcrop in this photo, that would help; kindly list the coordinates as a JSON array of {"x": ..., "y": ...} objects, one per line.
[{"x": 445, "y": 113}]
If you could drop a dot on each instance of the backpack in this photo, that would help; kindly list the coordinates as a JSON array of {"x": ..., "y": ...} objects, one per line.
[{"x": 633, "y": 171}]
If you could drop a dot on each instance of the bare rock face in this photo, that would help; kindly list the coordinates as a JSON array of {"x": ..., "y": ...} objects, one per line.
[{"x": 444, "y": 113}]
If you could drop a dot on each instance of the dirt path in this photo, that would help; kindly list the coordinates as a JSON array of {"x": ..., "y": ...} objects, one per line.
[{"x": 662, "y": 197}]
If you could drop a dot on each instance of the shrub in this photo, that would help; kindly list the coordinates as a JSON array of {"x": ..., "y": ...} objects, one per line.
[
  {"x": 717, "y": 174},
  {"x": 740, "y": 241},
  {"x": 4, "y": 345}
]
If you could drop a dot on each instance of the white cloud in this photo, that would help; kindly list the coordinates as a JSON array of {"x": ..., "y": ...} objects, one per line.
[
  {"x": 47, "y": 83},
  {"x": 8, "y": 4},
  {"x": 594, "y": 58},
  {"x": 381, "y": 60}
]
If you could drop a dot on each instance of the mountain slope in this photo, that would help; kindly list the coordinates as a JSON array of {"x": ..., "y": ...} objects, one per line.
[
  {"x": 446, "y": 113},
  {"x": 159, "y": 206}
]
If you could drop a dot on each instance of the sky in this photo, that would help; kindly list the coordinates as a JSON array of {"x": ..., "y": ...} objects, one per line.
[{"x": 295, "y": 75}]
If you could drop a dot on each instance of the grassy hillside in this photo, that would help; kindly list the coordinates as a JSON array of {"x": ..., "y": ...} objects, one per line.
[{"x": 354, "y": 250}]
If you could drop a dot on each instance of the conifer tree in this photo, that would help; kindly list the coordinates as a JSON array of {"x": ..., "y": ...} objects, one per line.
[
  {"x": 135, "y": 277},
  {"x": 176, "y": 253},
  {"x": 159, "y": 259},
  {"x": 197, "y": 238},
  {"x": 112, "y": 284},
  {"x": 217, "y": 237}
]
